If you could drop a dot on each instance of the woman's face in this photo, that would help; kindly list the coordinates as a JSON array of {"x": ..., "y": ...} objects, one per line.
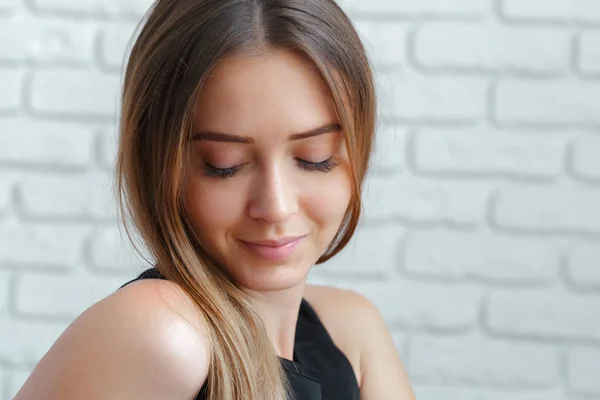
[{"x": 268, "y": 181}]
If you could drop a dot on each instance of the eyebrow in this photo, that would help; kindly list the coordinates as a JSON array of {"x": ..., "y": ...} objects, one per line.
[{"x": 227, "y": 137}]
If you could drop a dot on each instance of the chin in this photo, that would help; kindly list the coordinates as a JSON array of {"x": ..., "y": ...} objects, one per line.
[{"x": 265, "y": 277}]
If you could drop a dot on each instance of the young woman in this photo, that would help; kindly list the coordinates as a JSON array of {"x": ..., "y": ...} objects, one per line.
[{"x": 245, "y": 135}]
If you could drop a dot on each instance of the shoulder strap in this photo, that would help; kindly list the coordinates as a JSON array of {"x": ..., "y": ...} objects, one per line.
[
  {"x": 151, "y": 273},
  {"x": 309, "y": 317}
]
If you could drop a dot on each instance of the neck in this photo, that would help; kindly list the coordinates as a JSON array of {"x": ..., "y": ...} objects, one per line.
[{"x": 279, "y": 311}]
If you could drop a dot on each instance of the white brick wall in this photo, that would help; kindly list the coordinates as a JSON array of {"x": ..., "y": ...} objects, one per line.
[
  {"x": 589, "y": 48},
  {"x": 547, "y": 102},
  {"x": 519, "y": 153},
  {"x": 64, "y": 145},
  {"x": 481, "y": 242},
  {"x": 46, "y": 41},
  {"x": 483, "y": 361},
  {"x": 586, "y": 163},
  {"x": 481, "y": 256},
  {"x": 11, "y": 82},
  {"x": 583, "y": 365},
  {"x": 582, "y": 265},
  {"x": 73, "y": 93},
  {"x": 563, "y": 11},
  {"x": 492, "y": 47}
]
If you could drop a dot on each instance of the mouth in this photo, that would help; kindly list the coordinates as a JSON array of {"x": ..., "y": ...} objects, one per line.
[{"x": 273, "y": 249}]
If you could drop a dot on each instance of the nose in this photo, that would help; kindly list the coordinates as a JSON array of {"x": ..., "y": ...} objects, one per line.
[{"x": 273, "y": 196}]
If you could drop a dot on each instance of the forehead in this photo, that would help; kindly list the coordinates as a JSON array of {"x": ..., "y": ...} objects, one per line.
[{"x": 279, "y": 91}]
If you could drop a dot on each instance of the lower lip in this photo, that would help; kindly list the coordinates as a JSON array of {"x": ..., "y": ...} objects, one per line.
[{"x": 273, "y": 253}]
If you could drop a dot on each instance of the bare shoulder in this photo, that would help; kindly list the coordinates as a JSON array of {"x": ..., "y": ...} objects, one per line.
[
  {"x": 338, "y": 305},
  {"x": 145, "y": 340},
  {"x": 341, "y": 311},
  {"x": 360, "y": 331}
]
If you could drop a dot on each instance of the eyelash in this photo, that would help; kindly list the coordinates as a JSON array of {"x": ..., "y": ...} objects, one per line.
[{"x": 323, "y": 166}]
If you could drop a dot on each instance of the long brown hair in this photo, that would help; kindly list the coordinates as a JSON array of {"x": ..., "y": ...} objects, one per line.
[{"x": 180, "y": 42}]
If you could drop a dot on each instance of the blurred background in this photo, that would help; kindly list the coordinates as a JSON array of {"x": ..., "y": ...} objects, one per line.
[{"x": 481, "y": 238}]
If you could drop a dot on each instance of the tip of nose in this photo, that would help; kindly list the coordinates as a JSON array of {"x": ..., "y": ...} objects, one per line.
[{"x": 273, "y": 200}]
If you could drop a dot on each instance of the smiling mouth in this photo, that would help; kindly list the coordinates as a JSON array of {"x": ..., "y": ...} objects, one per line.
[
  {"x": 278, "y": 249},
  {"x": 274, "y": 242}
]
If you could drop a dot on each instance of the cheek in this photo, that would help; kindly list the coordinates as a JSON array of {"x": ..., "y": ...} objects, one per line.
[
  {"x": 327, "y": 202},
  {"x": 211, "y": 208}
]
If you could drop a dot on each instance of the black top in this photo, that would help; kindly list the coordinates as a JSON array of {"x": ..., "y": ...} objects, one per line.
[{"x": 319, "y": 370}]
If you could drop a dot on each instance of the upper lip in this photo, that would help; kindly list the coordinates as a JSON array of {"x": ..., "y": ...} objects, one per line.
[{"x": 274, "y": 242}]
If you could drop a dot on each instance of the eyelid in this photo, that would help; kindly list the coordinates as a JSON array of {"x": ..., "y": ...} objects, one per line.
[
  {"x": 215, "y": 172},
  {"x": 326, "y": 165},
  {"x": 209, "y": 165},
  {"x": 214, "y": 155},
  {"x": 323, "y": 166}
]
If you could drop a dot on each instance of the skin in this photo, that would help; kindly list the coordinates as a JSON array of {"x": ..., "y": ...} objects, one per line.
[
  {"x": 275, "y": 193},
  {"x": 267, "y": 100}
]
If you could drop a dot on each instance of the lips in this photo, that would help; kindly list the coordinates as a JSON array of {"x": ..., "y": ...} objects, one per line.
[
  {"x": 273, "y": 250},
  {"x": 275, "y": 243}
]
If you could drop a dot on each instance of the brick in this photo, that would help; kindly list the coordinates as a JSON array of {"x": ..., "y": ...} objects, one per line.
[
  {"x": 562, "y": 207},
  {"x": 582, "y": 370},
  {"x": 539, "y": 313},
  {"x": 389, "y": 153},
  {"x": 46, "y": 40},
  {"x": 422, "y": 200},
  {"x": 75, "y": 93},
  {"x": 492, "y": 48},
  {"x": 586, "y": 162},
  {"x": 28, "y": 142},
  {"x": 7, "y": 6},
  {"x": 6, "y": 189},
  {"x": 11, "y": 82},
  {"x": 29, "y": 340},
  {"x": 385, "y": 42},
  {"x": 418, "y": 305},
  {"x": 112, "y": 252},
  {"x": 520, "y": 154},
  {"x": 589, "y": 52},
  {"x": 472, "y": 8},
  {"x": 47, "y": 246},
  {"x": 372, "y": 251},
  {"x": 114, "y": 44},
  {"x": 482, "y": 361},
  {"x": 409, "y": 96},
  {"x": 552, "y": 10},
  {"x": 59, "y": 295},
  {"x": 481, "y": 255},
  {"x": 583, "y": 262},
  {"x": 464, "y": 392},
  {"x": 88, "y": 195},
  {"x": 108, "y": 148},
  {"x": 93, "y": 8},
  {"x": 5, "y": 281},
  {"x": 543, "y": 102}
]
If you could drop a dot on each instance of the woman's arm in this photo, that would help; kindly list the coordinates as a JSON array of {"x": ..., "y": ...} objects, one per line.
[
  {"x": 133, "y": 344},
  {"x": 359, "y": 330},
  {"x": 383, "y": 376}
]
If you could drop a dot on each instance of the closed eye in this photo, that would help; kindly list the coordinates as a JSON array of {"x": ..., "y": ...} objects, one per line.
[
  {"x": 322, "y": 166},
  {"x": 214, "y": 172}
]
